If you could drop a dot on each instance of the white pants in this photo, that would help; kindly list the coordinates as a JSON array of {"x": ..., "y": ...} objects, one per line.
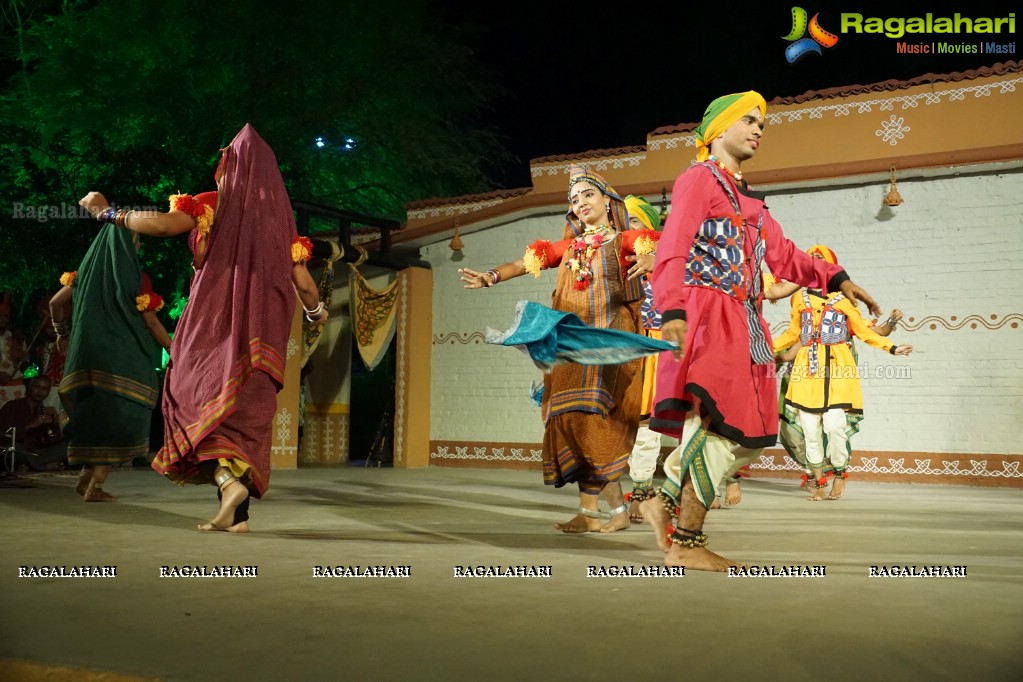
[
  {"x": 643, "y": 460},
  {"x": 717, "y": 458},
  {"x": 815, "y": 427}
]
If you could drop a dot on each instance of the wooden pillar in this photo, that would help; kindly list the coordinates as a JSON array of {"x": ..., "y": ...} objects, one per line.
[{"x": 414, "y": 332}]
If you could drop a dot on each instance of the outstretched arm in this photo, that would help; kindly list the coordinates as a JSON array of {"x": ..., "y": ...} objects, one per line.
[
  {"x": 481, "y": 280},
  {"x": 888, "y": 326},
  {"x": 152, "y": 223}
]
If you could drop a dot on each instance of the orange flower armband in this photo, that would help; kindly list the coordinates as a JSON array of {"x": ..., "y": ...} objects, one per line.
[
  {"x": 68, "y": 278},
  {"x": 301, "y": 249},
  {"x": 151, "y": 301},
  {"x": 200, "y": 207},
  {"x": 542, "y": 254},
  {"x": 640, "y": 242}
]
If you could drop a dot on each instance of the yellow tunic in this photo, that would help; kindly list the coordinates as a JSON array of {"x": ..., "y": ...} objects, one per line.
[{"x": 836, "y": 382}]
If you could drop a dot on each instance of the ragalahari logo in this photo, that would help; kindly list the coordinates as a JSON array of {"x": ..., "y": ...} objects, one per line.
[{"x": 801, "y": 46}]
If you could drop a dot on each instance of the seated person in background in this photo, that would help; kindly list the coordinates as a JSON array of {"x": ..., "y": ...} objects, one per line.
[{"x": 37, "y": 429}]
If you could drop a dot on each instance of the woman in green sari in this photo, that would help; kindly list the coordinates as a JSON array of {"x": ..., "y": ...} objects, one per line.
[{"x": 110, "y": 383}]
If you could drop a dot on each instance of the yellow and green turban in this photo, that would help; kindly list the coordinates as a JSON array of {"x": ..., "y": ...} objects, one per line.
[
  {"x": 721, "y": 114},
  {"x": 639, "y": 207},
  {"x": 827, "y": 254}
]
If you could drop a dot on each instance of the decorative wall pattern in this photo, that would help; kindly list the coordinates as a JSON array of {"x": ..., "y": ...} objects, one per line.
[
  {"x": 953, "y": 323},
  {"x": 463, "y": 338},
  {"x": 911, "y": 467},
  {"x": 904, "y": 102},
  {"x": 324, "y": 439},
  {"x": 451, "y": 210},
  {"x": 599, "y": 165}
]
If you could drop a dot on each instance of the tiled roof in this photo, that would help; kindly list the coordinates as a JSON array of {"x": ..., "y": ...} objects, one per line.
[
  {"x": 603, "y": 153},
  {"x": 466, "y": 198}
]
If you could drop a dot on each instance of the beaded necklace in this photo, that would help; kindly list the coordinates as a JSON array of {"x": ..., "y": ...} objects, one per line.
[
  {"x": 736, "y": 175},
  {"x": 583, "y": 252}
]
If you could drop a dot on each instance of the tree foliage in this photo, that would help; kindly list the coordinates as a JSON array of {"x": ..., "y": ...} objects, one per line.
[{"x": 135, "y": 99}]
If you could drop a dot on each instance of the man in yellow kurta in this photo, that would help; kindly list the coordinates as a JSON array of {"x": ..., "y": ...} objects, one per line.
[{"x": 824, "y": 397}]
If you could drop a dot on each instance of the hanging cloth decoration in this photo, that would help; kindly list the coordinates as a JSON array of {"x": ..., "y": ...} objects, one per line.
[
  {"x": 311, "y": 331},
  {"x": 373, "y": 319}
]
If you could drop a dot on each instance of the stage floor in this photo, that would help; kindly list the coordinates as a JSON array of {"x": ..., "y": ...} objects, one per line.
[{"x": 286, "y": 624}]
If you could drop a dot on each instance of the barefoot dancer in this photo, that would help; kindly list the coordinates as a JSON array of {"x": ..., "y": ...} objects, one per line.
[
  {"x": 590, "y": 411},
  {"x": 227, "y": 361},
  {"x": 110, "y": 386},
  {"x": 718, "y": 397},
  {"x": 823, "y": 400}
]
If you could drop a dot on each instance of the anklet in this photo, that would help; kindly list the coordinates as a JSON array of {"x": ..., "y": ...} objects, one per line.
[
  {"x": 589, "y": 513},
  {"x": 640, "y": 495},
  {"x": 821, "y": 482},
  {"x": 619, "y": 510},
  {"x": 689, "y": 538},
  {"x": 223, "y": 478},
  {"x": 669, "y": 504}
]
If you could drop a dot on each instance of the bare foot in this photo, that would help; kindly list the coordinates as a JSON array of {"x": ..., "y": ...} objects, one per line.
[
  {"x": 579, "y": 524},
  {"x": 83, "y": 481},
  {"x": 619, "y": 521},
  {"x": 98, "y": 495},
  {"x": 716, "y": 504},
  {"x": 242, "y": 527},
  {"x": 837, "y": 488},
  {"x": 232, "y": 494},
  {"x": 818, "y": 493},
  {"x": 733, "y": 493},
  {"x": 657, "y": 516},
  {"x": 697, "y": 558}
]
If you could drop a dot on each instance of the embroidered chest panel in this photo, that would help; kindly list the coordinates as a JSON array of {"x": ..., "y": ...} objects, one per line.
[{"x": 716, "y": 257}]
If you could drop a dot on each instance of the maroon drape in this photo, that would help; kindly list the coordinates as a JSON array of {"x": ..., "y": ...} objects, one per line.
[{"x": 239, "y": 311}]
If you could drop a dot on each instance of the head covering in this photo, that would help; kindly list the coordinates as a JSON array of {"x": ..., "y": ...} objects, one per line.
[
  {"x": 639, "y": 207},
  {"x": 825, "y": 253},
  {"x": 721, "y": 114},
  {"x": 619, "y": 216},
  {"x": 238, "y": 318}
]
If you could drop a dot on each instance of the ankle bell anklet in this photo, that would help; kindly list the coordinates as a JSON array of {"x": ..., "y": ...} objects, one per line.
[
  {"x": 690, "y": 539},
  {"x": 640, "y": 494},
  {"x": 669, "y": 504}
]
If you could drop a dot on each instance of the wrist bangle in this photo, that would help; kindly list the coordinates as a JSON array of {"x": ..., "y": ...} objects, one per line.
[
  {"x": 315, "y": 311},
  {"x": 107, "y": 215},
  {"x": 495, "y": 275}
]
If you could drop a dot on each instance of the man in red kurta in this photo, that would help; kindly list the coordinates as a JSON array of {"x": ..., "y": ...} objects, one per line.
[{"x": 719, "y": 395}]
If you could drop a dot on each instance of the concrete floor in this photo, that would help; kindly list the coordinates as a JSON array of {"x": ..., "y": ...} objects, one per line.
[{"x": 287, "y": 625}]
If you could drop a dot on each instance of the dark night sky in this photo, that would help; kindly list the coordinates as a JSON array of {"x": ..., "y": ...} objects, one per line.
[{"x": 577, "y": 78}]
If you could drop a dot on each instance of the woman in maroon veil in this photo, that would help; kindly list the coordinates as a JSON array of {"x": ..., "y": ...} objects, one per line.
[{"x": 229, "y": 348}]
